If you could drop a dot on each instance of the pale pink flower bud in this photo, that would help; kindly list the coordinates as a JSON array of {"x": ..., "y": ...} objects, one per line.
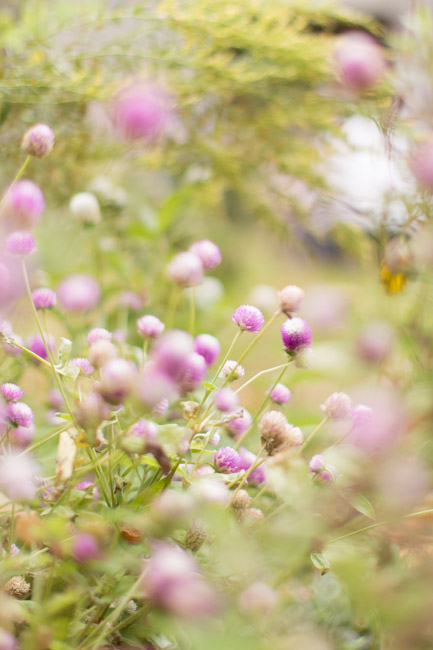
[
  {"x": 101, "y": 352},
  {"x": 118, "y": 379},
  {"x": 141, "y": 111},
  {"x": 208, "y": 252},
  {"x": 98, "y": 334},
  {"x": 85, "y": 547},
  {"x": 290, "y": 299},
  {"x": 21, "y": 242},
  {"x": 24, "y": 204},
  {"x": 337, "y": 406},
  {"x": 79, "y": 292},
  {"x": 226, "y": 400},
  {"x": 44, "y": 298},
  {"x": 208, "y": 347},
  {"x": 150, "y": 326},
  {"x": 359, "y": 60},
  {"x": 38, "y": 140},
  {"x": 185, "y": 269},
  {"x": 248, "y": 318}
]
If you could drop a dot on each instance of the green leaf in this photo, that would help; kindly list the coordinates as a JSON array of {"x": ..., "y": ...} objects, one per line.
[
  {"x": 321, "y": 562},
  {"x": 363, "y": 505},
  {"x": 208, "y": 385},
  {"x": 64, "y": 352}
]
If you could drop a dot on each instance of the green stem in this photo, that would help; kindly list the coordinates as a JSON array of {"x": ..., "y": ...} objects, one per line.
[
  {"x": 222, "y": 364},
  {"x": 15, "y": 344},
  {"x": 313, "y": 434},
  {"x": 18, "y": 175},
  {"x": 265, "y": 372}
]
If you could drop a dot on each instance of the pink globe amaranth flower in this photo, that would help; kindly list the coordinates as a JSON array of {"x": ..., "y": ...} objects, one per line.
[
  {"x": 85, "y": 547},
  {"x": 240, "y": 424},
  {"x": 22, "y": 436},
  {"x": 92, "y": 411},
  {"x": 322, "y": 471},
  {"x": 359, "y": 60},
  {"x": 21, "y": 242},
  {"x": 280, "y": 394},
  {"x": 290, "y": 299},
  {"x": 7, "y": 641},
  {"x": 83, "y": 364},
  {"x": 156, "y": 389},
  {"x": 18, "y": 476},
  {"x": 44, "y": 298},
  {"x": 20, "y": 414},
  {"x": 118, "y": 379},
  {"x": 172, "y": 352},
  {"x": 79, "y": 292},
  {"x": 421, "y": 163},
  {"x": 172, "y": 581},
  {"x": 226, "y": 460},
  {"x": 185, "y": 269},
  {"x": 193, "y": 373},
  {"x": 131, "y": 300},
  {"x": 296, "y": 334},
  {"x": 144, "y": 429},
  {"x": 248, "y": 318},
  {"x": 232, "y": 370},
  {"x": 337, "y": 406},
  {"x": 11, "y": 392},
  {"x": 150, "y": 326},
  {"x": 316, "y": 464},
  {"x": 98, "y": 334},
  {"x": 208, "y": 252},
  {"x": 101, "y": 352},
  {"x": 24, "y": 204},
  {"x": 55, "y": 399},
  {"x": 7, "y": 330},
  {"x": 208, "y": 347},
  {"x": 226, "y": 400},
  {"x": 36, "y": 345},
  {"x": 246, "y": 459},
  {"x": 38, "y": 140},
  {"x": 141, "y": 111}
]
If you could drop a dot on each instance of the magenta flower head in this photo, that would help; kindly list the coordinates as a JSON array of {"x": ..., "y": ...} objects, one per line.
[
  {"x": 246, "y": 459},
  {"x": 296, "y": 334},
  {"x": 24, "y": 204},
  {"x": 19, "y": 414},
  {"x": 11, "y": 392},
  {"x": 185, "y": 269},
  {"x": 141, "y": 111},
  {"x": 172, "y": 353},
  {"x": 337, "y": 406},
  {"x": 150, "y": 326},
  {"x": 239, "y": 425},
  {"x": 359, "y": 60},
  {"x": 290, "y": 299},
  {"x": 248, "y": 318},
  {"x": 226, "y": 460},
  {"x": 208, "y": 252},
  {"x": 38, "y": 140},
  {"x": 37, "y": 346},
  {"x": 172, "y": 581},
  {"x": 83, "y": 364},
  {"x": 44, "y": 298},
  {"x": 98, "y": 334},
  {"x": 146, "y": 429},
  {"x": 422, "y": 164},
  {"x": 85, "y": 547},
  {"x": 208, "y": 347},
  {"x": 79, "y": 292},
  {"x": 21, "y": 242},
  {"x": 193, "y": 374},
  {"x": 280, "y": 394},
  {"x": 118, "y": 379},
  {"x": 226, "y": 400}
]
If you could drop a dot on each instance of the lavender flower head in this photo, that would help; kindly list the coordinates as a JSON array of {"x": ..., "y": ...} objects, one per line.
[
  {"x": 296, "y": 334},
  {"x": 20, "y": 242},
  {"x": 83, "y": 364},
  {"x": 208, "y": 347},
  {"x": 322, "y": 471},
  {"x": 280, "y": 394},
  {"x": 141, "y": 111},
  {"x": 85, "y": 547},
  {"x": 337, "y": 406},
  {"x": 44, "y": 298},
  {"x": 22, "y": 436},
  {"x": 37, "y": 346},
  {"x": 226, "y": 460},
  {"x": 11, "y": 392},
  {"x": 247, "y": 458},
  {"x": 208, "y": 252},
  {"x": 359, "y": 60},
  {"x": 118, "y": 379},
  {"x": 290, "y": 299},
  {"x": 193, "y": 373},
  {"x": 248, "y": 318},
  {"x": 146, "y": 429},
  {"x": 79, "y": 292},
  {"x": 240, "y": 424},
  {"x": 171, "y": 353},
  {"x": 150, "y": 326},
  {"x": 19, "y": 414},
  {"x": 226, "y": 400},
  {"x": 98, "y": 334},
  {"x": 185, "y": 269},
  {"x": 24, "y": 204},
  {"x": 38, "y": 140}
]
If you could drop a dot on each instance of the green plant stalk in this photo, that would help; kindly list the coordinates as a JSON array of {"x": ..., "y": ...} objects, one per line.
[
  {"x": 313, "y": 434},
  {"x": 17, "y": 177}
]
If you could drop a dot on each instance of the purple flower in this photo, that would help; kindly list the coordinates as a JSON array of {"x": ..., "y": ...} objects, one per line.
[
  {"x": 98, "y": 334},
  {"x": 226, "y": 400},
  {"x": 359, "y": 60},
  {"x": 141, "y": 111},
  {"x": 11, "y": 392},
  {"x": 19, "y": 414},
  {"x": 316, "y": 463},
  {"x": 24, "y": 204},
  {"x": 208, "y": 252},
  {"x": 208, "y": 347},
  {"x": 240, "y": 424},
  {"x": 38, "y": 140},
  {"x": 83, "y": 364},
  {"x": 320, "y": 470},
  {"x": 193, "y": 373},
  {"x": 79, "y": 292},
  {"x": 22, "y": 436},
  {"x": 144, "y": 429},
  {"x": 36, "y": 345},
  {"x": 337, "y": 406},
  {"x": 226, "y": 460},
  {"x": 296, "y": 334},
  {"x": 7, "y": 641},
  {"x": 118, "y": 379},
  {"x": 150, "y": 326},
  {"x": 172, "y": 352},
  {"x": 21, "y": 242},
  {"x": 18, "y": 476},
  {"x": 247, "y": 458},
  {"x": 185, "y": 269},
  {"x": 280, "y": 394},
  {"x": 85, "y": 547},
  {"x": 44, "y": 298},
  {"x": 248, "y": 318}
]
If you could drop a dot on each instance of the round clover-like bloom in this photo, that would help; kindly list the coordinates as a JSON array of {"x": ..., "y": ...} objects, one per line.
[
  {"x": 185, "y": 269},
  {"x": 141, "y": 111},
  {"x": 20, "y": 414},
  {"x": 359, "y": 60},
  {"x": 208, "y": 347},
  {"x": 226, "y": 460},
  {"x": 150, "y": 326},
  {"x": 290, "y": 299},
  {"x": 280, "y": 394},
  {"x": 101, "y": 352},
  {"x": 208, "y": 252},
  {"x": 321, "y": 470},
  {"x": 248, "y": 318},
  {"x": 18, "y": 476},
  {"x": 193, "y": 373},
  {"x": 277, "y": 434},
  {"x": 337, "y": 406},
  {"x": 20, "y": 242},
  {"x": 24, "y": 204},
  {"x": 240, "y": 424},
  {"x": 233, "y": 370},
  {"x": 85, "y": 547},
  {"x": 226, "y": 400},
  {"x": 247, "y": 458},
  {"x": 83, "y": 364},
  {"x": 22, "y": 436},
  {"x": 118, "y": 378},
  {"x": 84, "y": 206},
  {"x": 44, "y": 298},
  {"x": 11, "y": 392},
  {"x": 171, "y": 353},
  {"x": 79, "y": 292},
  {"x": 37, "y": 346},
  {"x": 38, "y": 140},
  {"x": 98, "y": 334},
  {"x": 296, "y": 334}
]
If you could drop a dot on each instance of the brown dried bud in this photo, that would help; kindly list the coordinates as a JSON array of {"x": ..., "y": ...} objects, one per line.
[
  {"x": 240, "y": 500},
  {"x": 131, "y": 534},
  {"x": 251, "y": 514},
  {"x": 190, "y": 409},
  {"x": 18, "y": 588},
  {"x": 196, "y": 535},
  {"x": 277, "y": 434}
]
